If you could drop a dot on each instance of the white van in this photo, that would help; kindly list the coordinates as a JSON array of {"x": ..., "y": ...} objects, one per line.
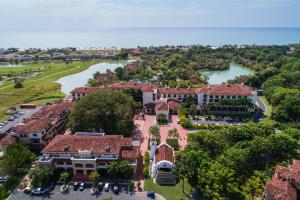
[{"x": 106, "y": 187}]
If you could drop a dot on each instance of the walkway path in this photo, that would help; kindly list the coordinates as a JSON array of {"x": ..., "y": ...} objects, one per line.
[{"x": 143, "y": 126}]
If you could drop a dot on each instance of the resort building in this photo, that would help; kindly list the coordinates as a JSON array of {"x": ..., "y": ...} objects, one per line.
[
  {"x": 153, "y": 96},
  {"x": 163, "y": 161},
  {"x": 285, "y": 183},
  {"x": 5, "y": 141},
  {"x": 42, "y": 126},
  {"x": 83, "y": 153}
]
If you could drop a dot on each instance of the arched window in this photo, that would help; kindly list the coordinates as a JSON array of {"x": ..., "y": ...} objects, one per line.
[
  {"x": 88, "y": 165},
  {"x": 78, "y": 165}
]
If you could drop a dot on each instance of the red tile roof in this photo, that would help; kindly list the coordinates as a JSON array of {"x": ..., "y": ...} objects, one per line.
[
  {"x": 173, "y": 105},
  {"x": 33, "y": 126},
  {"x": 191, "y": 91},
  {"x": 7, "y": 140},
  {"x": 227, "y": 89},
  {"x": 97, "y": 144},
  {"x": 131, "y": 154},
  {"x": 281, "y": 186},
  {"x": 164, "y": 152},
  {"x": 133, "y": 85},
  {"x": 86, "y": 90},
  {"x": 161, "y": 106},
  {"x": 54, "y": 110}
]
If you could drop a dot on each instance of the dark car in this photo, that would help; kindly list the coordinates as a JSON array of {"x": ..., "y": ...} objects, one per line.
[
  {"x": 100, "y": 186},
  {"x": 116, "y": 189},
  {"x": 151, "y": 195},
  {"x": 27, "y": 190},
  {"x": 75, "y": 186}
]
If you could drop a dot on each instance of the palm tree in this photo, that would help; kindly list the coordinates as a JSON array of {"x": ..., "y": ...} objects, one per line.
[
  {"x": 173, "y": 133},
  {"x": 113, "y": 170},
  {"x": 64, "y": 177},
  {"x": 154, "y": 131},
  {"x": 95, "y": 177},
  {"x": 126, "y": 170}
]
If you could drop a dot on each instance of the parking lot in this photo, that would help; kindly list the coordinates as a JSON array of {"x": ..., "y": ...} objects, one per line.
[
  {"x": 217, "y": 120},
  {"x": 83, "y": 195},
  {"x": 10, "y": 124}
]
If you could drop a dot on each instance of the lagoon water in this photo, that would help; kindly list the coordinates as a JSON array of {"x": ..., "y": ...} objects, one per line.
[
  {"x": 218, "y": 77},
  {"x": 133, "y": 37},
  {"x": 68, "y": 83}
]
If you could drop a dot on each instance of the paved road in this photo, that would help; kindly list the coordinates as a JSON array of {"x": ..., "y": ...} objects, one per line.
[
  {"x": 11, "y": 124},
  {"x": 83, "y": 195},
  {"x": 261, "y": 110}
]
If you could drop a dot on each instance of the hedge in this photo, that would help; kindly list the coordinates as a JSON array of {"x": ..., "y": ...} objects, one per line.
[
  {"x": 173, "y": 143},
  {"x": 146, "y": 172}
]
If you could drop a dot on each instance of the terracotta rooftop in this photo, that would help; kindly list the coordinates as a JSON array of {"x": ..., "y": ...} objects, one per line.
[
  {"x": 164, "y": 152},
  {"x": 33, "y": 126},
  {"x": 173, "y": 105},
  {"x": 133, "y": 85},
  {"x": 97, "y": 144},
  {"x": 227, "y": 89},
  {"x": 86, "y": 90},
  {"x": 161, "y": 106},
  {"x": 7, "y": 140},
  {"x": 281, "y": 186},
  {"x": 53, "y": 110},
  {"x": 191, "y": 91},
  {"x": 130, "y": 153}
]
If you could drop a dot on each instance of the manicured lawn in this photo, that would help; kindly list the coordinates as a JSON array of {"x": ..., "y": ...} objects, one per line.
[
  {"x": 41, "y": 88},
  {"x": 169, "y": 192}
]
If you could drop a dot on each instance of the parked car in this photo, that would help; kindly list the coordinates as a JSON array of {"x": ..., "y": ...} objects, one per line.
[
  {"x": 100, "y": 186},
  {"x": 27, "y": 190},
  {"x": 151, "y": 195},
  {"x": 75, "y": 186},
  {"x": 11, "y": 119},
  {"x": 3, "y": 179},
  {"x": 37, "y": 191},
  {"x": 81, "y": 186},
  {"x": 116, "y": 189},
  {"x": 106, "y": 187}
]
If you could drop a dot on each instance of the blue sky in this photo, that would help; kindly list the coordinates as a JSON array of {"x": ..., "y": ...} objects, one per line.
[{"x": 94, "y": 14}]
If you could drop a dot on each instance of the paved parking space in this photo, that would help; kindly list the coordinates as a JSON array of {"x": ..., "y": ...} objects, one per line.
[
  {"x": 83, "y": 195},
  {"x": 11, "y": 124}
]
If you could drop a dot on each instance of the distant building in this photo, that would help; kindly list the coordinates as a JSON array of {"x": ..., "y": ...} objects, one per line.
[
  {"x": 154, "y": 94},
  {"x": 58, "y": 56},
  {"x": 42, "y": 126},
  {"x": 85, "y": 153},
  {"x": 285, "y": 183},
  {"x": 5, "y": 141}
]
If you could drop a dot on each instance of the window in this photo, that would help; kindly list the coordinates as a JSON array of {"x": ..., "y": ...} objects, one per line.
[
  {"x": 164, "y": 96},
  {"x": 169, "y": 95},
  {"x": 217, "y": 96},
  {"x": 222, "y": 97},
  {"x": 34, "y": 135},
  {"x": 211, "y": 96},
  {"x": 59, "y": 163},
  {"x": 68, "y": 163},
  {"x": 89, "y": 165},
  {"x": 78, "y": 165},
  {"x": 205, "y": 96},
  {"x": 174, "y": 95}
]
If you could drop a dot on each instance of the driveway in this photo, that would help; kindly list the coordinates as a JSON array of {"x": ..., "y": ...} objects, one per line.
[
  {"x": 83, "y": 195},
  {"x": 11, "y": 124}
]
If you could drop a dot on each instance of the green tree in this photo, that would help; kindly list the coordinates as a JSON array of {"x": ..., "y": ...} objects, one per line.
[
  {"x": 154, "y": 131},
  {"x": 40, "y": 176},
  {"x": 94, "y": 176},
  {"x": 113, "y": 170},
  {"x": 18, "y": 83},
  {"x": 17, "y": 156},
  {"x": 120, "y": 73},
  {"x": 173, "y": 133},
  {"x": 111, "y": 111},
  {"x": 64, "y": 177},
  {"x": 125, "y": 170}
]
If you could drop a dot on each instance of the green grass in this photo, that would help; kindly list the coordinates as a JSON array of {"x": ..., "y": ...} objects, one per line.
[
  {"x": 169, "y": 192},
  {"x": 268, "y": 106},
  {"x": 38, "y": 89}
]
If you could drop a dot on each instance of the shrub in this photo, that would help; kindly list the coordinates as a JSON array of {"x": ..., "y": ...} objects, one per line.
[
  {"x": 173, "y": 143},
  {"x": 146, "y": 165},
  {"x": 162, "y": 119}
]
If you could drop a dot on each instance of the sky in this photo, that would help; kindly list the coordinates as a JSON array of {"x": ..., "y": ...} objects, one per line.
[{"x": 94, "y": 14}]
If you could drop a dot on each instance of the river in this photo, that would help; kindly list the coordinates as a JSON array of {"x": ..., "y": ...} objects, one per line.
[
  {"x": 68, "y": 83},
  {"x": 218, "y": 77}
]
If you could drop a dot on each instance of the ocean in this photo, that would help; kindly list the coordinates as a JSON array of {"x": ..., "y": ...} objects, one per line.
[{"x": 133, "y": 37}]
